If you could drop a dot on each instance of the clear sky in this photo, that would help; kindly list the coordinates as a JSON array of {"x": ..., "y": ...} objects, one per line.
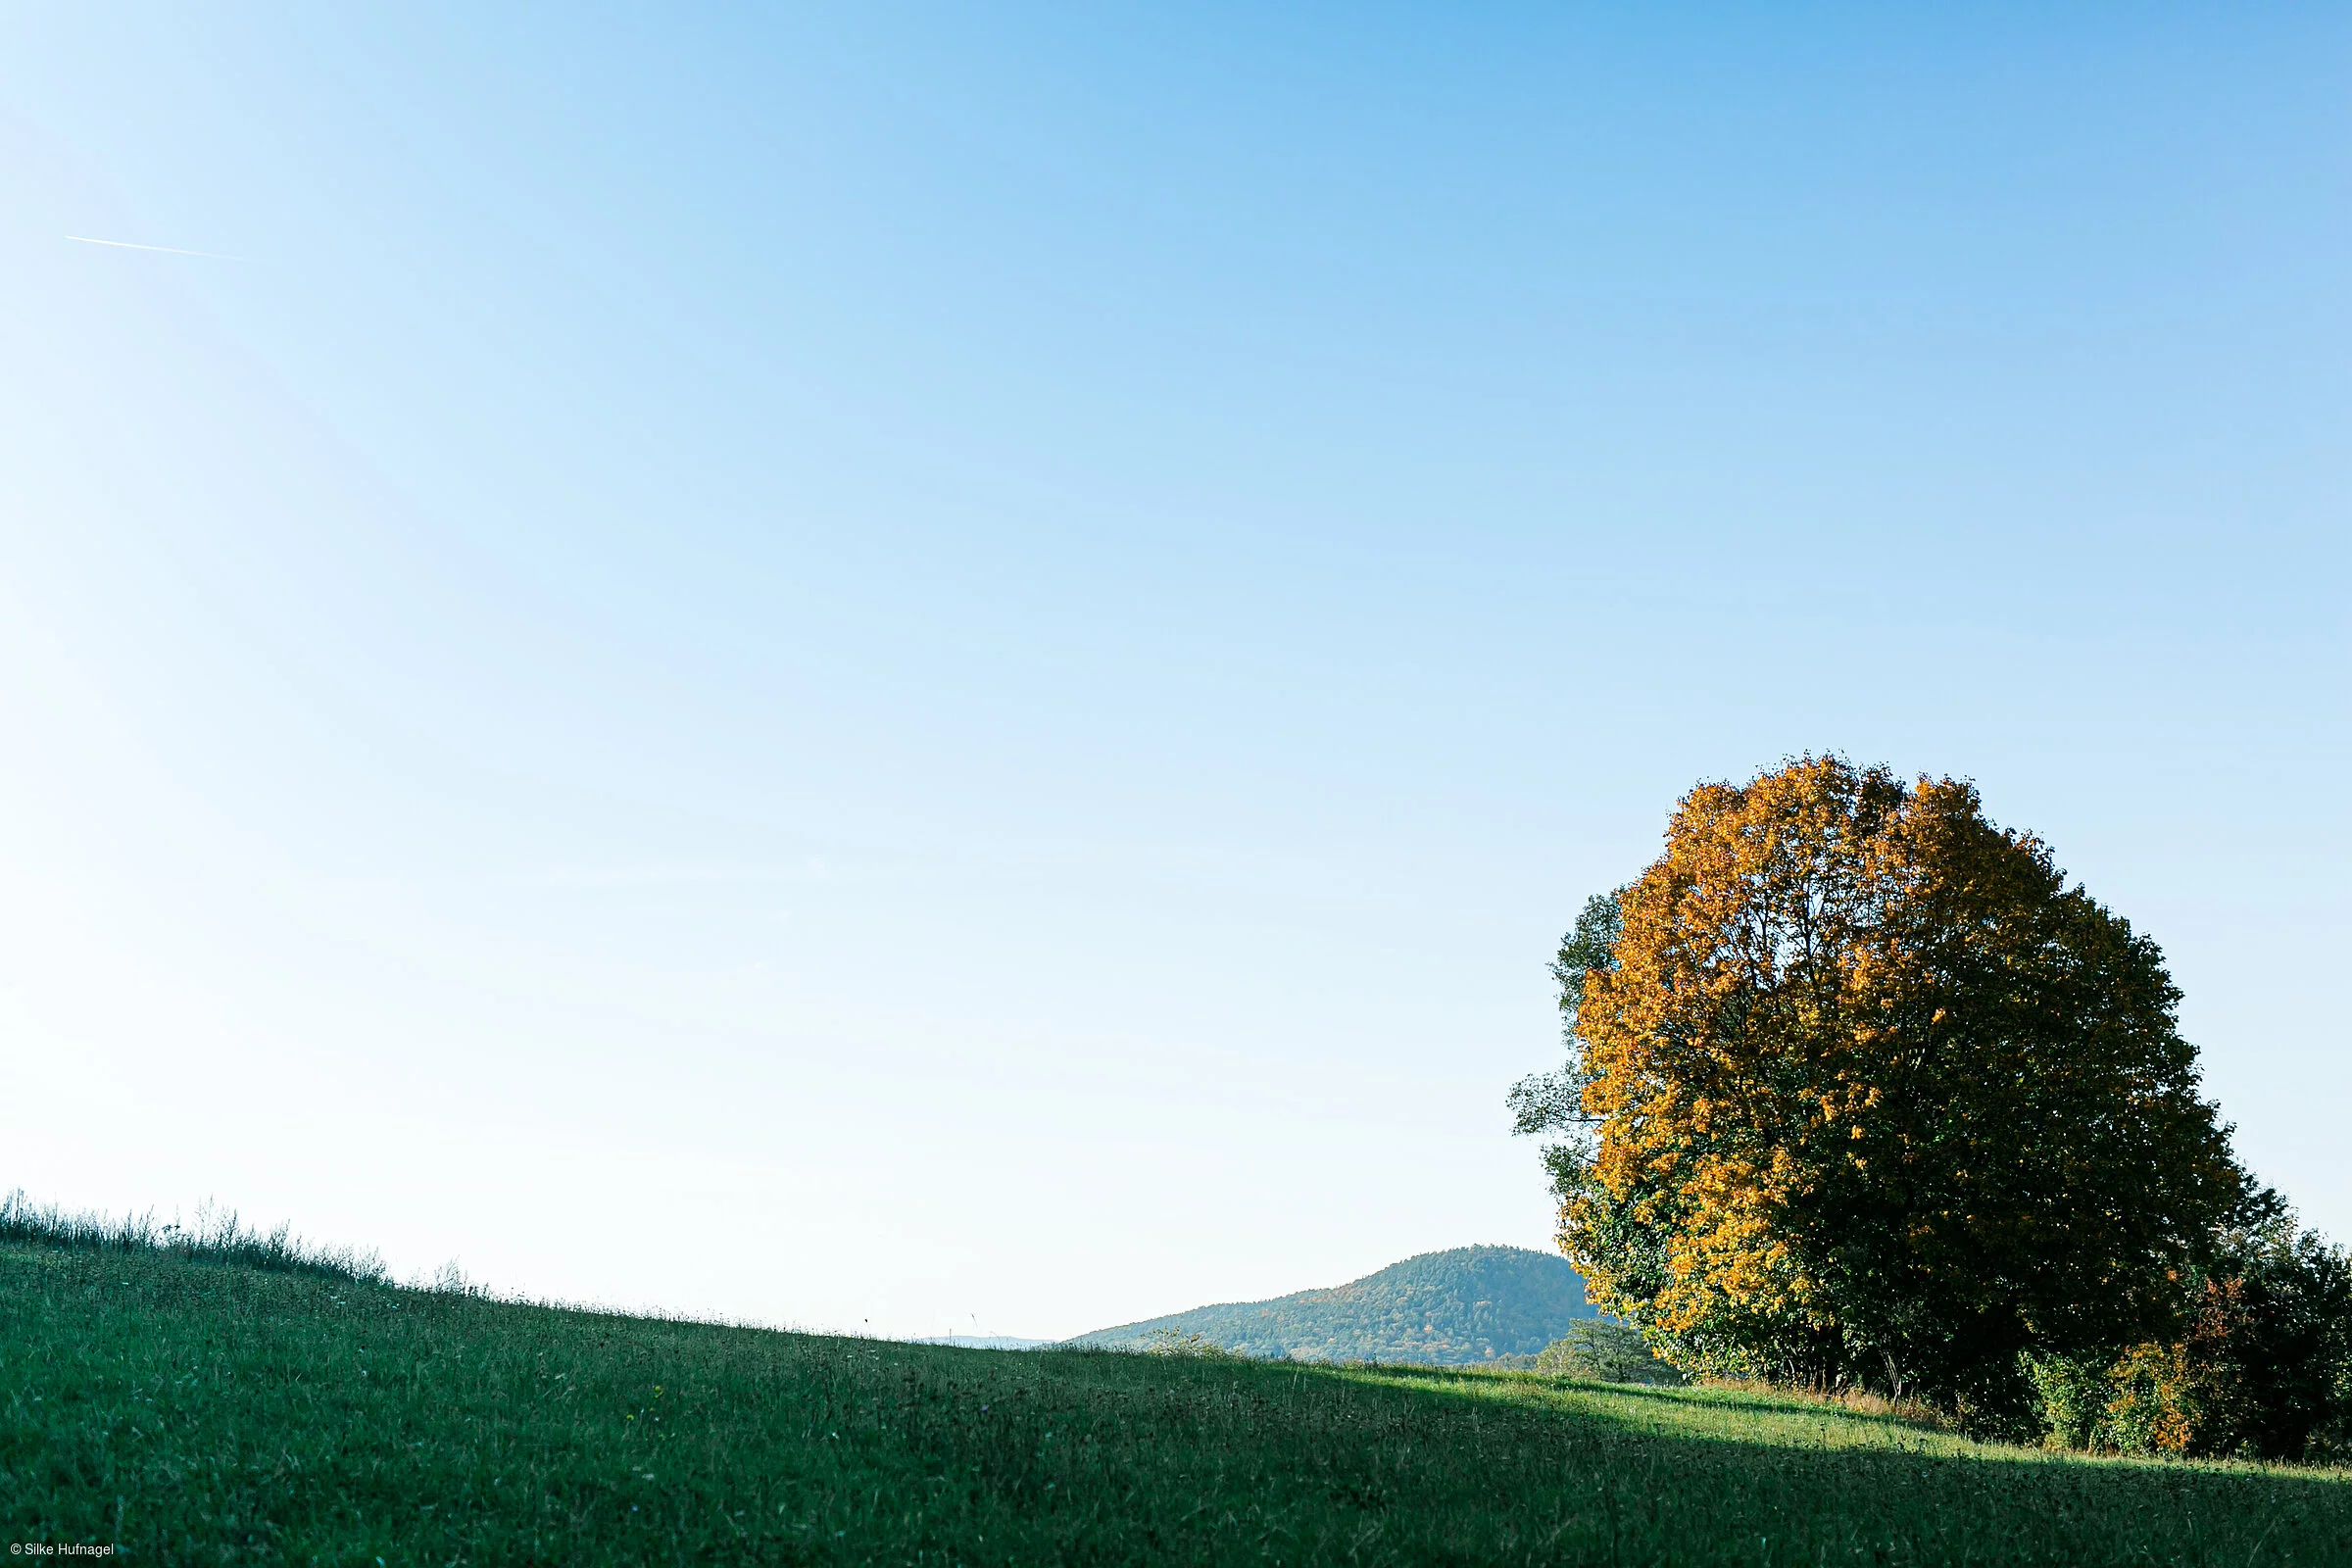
[{"x": 953, "y": 668}]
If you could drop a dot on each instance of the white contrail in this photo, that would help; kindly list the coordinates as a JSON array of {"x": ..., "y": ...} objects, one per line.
[{"x": 168, "y": 250}]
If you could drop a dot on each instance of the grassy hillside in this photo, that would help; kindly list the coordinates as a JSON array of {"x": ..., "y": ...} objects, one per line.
[
  {"x": 1473, "y": 1304},
  {"x": 203, "y": 1414}
]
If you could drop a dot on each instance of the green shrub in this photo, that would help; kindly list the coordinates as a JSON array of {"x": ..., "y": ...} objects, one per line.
[
  {"x": 2069, "y": 1397},
  {"x": 2260, "y": 1367},
  {"x": 1598, "y": 1350},
  {"x": 1197, "y": 1347}
]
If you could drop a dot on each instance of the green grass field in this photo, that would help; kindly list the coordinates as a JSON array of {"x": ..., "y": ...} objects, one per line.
[{"x": 191, "y": 1412}]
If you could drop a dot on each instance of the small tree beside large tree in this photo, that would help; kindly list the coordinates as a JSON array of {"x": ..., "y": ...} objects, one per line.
[{"x": 1860, "y": 1093}]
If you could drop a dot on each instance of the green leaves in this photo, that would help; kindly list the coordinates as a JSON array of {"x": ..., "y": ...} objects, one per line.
[{"x": 1879, "y": 1099}]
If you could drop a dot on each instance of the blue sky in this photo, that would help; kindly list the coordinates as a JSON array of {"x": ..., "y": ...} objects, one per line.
[{"x": 901, "y": 667}]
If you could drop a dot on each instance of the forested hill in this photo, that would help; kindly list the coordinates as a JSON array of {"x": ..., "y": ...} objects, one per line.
[{"x": 1472, "y": 1304}]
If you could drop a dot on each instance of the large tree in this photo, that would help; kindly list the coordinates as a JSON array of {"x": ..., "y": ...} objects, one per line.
[{"x": 1861, "y": 1093}]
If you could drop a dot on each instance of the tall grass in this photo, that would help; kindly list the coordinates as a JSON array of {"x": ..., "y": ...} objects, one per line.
[
  {"x": 191, "y": 1415},
  {"x": 1853, "y": 1401},
  {"x": 215, "y": 1236}
]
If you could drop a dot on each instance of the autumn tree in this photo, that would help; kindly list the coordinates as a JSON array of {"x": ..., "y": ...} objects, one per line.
[{"x": 1860, "y": 1093}]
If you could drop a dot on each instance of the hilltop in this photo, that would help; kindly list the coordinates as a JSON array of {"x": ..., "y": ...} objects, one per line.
[{"x": 1450, "y": 1308}]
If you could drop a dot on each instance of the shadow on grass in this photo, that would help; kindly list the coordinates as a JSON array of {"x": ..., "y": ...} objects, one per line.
[
  {"x": 1696, "y": 1405},
  {"x": 1686, "y": 1475},
  {"x": 1687, "y": 1395}
]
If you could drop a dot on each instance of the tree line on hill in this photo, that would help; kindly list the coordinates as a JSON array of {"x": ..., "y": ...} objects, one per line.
[
  {"x": 1464, "y": 1306},
  {"x": 1861, "y": 1095}
]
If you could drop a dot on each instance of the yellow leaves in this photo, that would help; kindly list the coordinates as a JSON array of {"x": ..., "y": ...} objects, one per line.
[
  {"x": 2156, "y": 1397},
  {"x": 1799, "y": 960}
]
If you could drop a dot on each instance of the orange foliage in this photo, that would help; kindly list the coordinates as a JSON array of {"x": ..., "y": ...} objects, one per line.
[{"x": 1880, "y": 1099}]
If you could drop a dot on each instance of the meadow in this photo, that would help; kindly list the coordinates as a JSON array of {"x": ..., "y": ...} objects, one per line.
[{"x": 202, "y": 1411}]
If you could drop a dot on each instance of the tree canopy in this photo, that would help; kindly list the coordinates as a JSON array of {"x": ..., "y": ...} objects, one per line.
[{"x": 1860, "y": 1091}]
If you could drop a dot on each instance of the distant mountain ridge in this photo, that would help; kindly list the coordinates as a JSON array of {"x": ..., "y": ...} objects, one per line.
[{"x": 1471, "y": 1303}]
